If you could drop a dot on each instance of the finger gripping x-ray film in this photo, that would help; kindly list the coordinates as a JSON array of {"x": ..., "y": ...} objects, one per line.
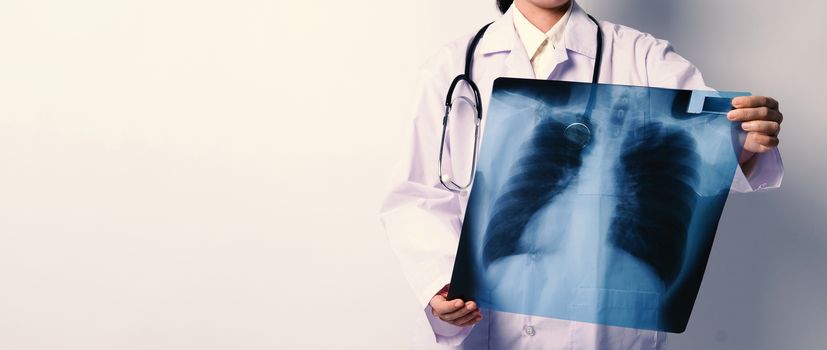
[{"x": 596, "y": 203}]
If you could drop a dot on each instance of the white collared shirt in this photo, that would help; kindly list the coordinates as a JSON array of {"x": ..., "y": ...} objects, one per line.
[{"x": 539, "y": 46}]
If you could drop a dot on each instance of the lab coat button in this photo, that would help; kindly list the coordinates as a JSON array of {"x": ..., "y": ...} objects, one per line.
[{"x": 530, "y": 331}]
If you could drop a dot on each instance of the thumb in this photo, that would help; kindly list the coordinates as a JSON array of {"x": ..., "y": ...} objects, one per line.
[
  {"x": 435, "y": 303},
  {"x": 441, "y": 306}
]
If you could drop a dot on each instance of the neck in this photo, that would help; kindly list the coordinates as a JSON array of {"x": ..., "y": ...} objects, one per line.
[{"x": 542, "y": 17}]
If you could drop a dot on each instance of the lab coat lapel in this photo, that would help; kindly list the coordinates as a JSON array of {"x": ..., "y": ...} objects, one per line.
[
  {"x": 501, "y": 39},
  {"x": 580, "y": 42},
  {"x": 580, "y": 34},
  {"x": 517, "y": 64},
  {"x": 503, "y": 53},
  {"x": 578, "y": 38}
]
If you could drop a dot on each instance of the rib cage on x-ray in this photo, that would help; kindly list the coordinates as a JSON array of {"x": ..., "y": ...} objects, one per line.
[
  {"x": 616, "y": 231},
  {"x": 655, "y": 158},
  {"x": 660, "y": 158},
  {"x": 547, "y": 166}
]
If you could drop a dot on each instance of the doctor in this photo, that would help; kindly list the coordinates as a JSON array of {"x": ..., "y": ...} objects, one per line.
[{"x": 540, "y": 39}]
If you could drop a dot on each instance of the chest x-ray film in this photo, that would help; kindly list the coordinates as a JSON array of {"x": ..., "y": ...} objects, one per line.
[{"x": 596, "y": 203}]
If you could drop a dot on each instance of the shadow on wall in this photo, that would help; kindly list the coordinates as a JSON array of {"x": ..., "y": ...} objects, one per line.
[{"x": 760, "y": 289}]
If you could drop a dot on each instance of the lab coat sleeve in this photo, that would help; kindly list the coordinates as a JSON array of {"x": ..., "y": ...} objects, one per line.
[
  {"x": 421, "y": 218},
  {"x": 665, "y": 68}
]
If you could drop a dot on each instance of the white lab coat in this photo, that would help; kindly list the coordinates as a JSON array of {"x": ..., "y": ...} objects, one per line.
[{"x": 423, "y": 220}]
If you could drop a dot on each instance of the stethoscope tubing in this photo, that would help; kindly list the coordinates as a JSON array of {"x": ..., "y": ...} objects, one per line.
[{"x": 446, "y": 180}]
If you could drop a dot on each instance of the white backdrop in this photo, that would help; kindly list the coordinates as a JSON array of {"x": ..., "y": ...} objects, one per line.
[{"x": 185, "y": 174}]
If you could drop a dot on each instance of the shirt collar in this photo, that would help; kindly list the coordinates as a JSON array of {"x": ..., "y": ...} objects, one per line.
[
  {"x": 532, "y": 37},
  {"x": 579, "y": 35}
]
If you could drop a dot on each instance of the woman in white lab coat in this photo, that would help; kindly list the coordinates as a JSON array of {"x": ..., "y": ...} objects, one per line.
[{"x": 540, "y": 39}]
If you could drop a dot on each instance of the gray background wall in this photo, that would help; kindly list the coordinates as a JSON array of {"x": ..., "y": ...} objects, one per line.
[{"x": 185, "y": 174}]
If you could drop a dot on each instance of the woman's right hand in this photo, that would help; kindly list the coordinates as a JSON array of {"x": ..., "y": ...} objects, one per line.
[{"x": 456, "y": 312}]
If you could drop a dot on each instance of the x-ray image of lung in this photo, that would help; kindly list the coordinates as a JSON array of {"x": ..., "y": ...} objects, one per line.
[{"x": 596, "y": 203}]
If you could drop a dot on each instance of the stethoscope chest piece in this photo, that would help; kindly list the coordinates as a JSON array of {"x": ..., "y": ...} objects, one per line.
[{"x": 578, "y": 135}]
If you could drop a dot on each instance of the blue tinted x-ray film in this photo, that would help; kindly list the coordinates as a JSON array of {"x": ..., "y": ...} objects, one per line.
[{"x": 596, "y": 203}]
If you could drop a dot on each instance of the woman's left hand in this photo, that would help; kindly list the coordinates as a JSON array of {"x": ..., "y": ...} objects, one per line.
[{"x": 761, "y": 120}]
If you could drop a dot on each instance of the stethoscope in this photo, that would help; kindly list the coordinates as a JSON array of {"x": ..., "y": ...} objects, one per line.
[{"x": 575, "y": 129}]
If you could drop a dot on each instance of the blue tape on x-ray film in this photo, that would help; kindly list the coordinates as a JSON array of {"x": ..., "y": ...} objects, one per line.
[
  {"x": 596, "y": 203},
  {"x": 719, "y": 102}
]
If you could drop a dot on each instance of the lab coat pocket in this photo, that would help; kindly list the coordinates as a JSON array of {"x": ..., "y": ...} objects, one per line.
[{"x": 614, "y": 319}]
